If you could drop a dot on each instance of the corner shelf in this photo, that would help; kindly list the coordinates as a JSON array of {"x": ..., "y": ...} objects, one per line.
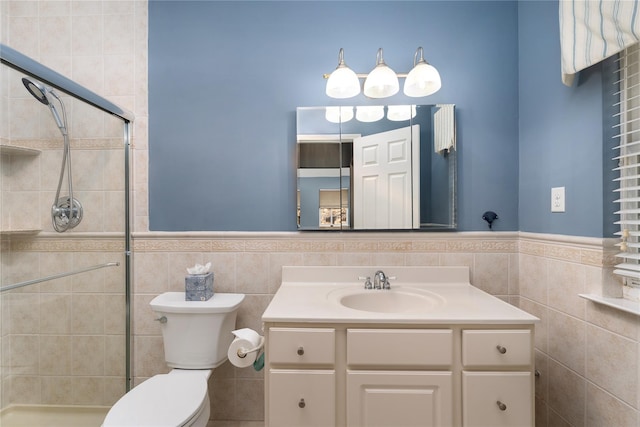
[
  {"x": 621, "y": 304},
  {"x": 18, "y": 150},
  {"x": 20, "y": 232}
]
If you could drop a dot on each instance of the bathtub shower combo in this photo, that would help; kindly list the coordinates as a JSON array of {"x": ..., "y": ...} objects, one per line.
[{"x": 64, "y": 266}]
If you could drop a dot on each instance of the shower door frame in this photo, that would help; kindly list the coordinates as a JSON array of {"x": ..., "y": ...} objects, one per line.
[{"x": 26, "y": 65}]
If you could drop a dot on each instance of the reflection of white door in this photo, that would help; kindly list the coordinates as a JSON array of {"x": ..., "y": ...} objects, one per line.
[{"x": 386, "y": 194}]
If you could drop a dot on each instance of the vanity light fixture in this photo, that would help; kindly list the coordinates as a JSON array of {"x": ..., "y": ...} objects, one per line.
[
  {"x": 382, "y": 81},
  {"x": 338, "y": 114},
  {"x": 369, "y": 113},
  {"x": 399, "y": 113},
  {"x": 343, "y": 82},
  {"x": 423, "y": 79}
]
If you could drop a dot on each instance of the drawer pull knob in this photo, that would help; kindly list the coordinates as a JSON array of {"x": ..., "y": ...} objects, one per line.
[
  {"x": 301, "y": 404},
  {"x": 501, "y": 349},
  {"x": 501, "y": 406},
  {"x": 300, "y": 352}
]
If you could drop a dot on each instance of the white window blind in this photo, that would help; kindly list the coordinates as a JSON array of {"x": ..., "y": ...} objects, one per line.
[
  {"x": 628, "y": 170},
  {"x": 334, "y": 198},
  {"x": 592, "y": 30}
]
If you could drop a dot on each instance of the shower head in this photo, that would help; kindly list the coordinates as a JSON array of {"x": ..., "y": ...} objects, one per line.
[
  {"x": 38, "y": 91},
  {"x": 41, "y": 93}
]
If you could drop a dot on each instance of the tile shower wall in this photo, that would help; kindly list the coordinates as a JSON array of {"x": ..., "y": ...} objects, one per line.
[
  {"x": 63, "y": 340},
  {"x": 102, "y": 45}
]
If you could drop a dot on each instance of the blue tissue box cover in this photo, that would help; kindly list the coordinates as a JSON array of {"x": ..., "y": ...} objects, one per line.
[{"x": 198, "y": 287}]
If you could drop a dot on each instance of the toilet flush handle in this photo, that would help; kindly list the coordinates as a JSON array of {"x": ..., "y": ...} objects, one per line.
[{"x": 162, "y": 319}]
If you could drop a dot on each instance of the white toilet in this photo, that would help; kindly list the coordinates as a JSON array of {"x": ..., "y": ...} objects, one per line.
[{"x": 196, "y": 337}]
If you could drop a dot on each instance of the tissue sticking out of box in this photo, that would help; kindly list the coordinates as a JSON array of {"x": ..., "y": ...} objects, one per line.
[{"x": 199, "y": 269}]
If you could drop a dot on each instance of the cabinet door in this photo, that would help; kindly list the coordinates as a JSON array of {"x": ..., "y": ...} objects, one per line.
[
  {"x": 495, "y": 399},
  {"x": 299, "y": 398},
  {"x": 399, "y": 398}
]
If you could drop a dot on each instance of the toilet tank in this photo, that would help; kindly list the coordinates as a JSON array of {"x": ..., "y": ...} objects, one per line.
[{"x": 196, "y": 334}]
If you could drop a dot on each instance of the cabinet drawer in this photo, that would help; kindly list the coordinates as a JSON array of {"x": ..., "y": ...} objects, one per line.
[
  {"x": 302, "y": 346},
  {"x": 400, "y": 348},
  {"x": 497, "y": 399},
  {"x": 484, "y": 348},
  {"x": 302, "y": 398}
]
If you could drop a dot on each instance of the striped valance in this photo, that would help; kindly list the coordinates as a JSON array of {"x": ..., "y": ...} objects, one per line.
[{"x": 592, "y": 30}]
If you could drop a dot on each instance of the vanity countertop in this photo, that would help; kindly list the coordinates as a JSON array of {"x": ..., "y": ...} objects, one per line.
[{"x": 313, "y": 295}]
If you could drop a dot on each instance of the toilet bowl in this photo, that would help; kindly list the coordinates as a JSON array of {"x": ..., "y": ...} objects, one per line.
[{"x": 196, "y": 336}]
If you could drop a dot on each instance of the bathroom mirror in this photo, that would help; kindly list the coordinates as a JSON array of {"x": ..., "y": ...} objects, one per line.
[{"x": 376, "y": 167}]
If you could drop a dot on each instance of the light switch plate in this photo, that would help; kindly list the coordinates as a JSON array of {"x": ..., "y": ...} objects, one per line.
[{"x": 557, "y": 199}]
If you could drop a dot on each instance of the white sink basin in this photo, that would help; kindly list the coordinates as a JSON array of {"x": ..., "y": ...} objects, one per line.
[{"x": 394, "y": 300}]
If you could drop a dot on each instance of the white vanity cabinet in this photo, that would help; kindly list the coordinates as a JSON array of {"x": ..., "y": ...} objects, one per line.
[
  {"x": 398, "y": 375},
  {"x": 431, "y": 351}
]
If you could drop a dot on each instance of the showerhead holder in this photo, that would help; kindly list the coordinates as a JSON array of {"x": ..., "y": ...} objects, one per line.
[{"x": 66, "y": 215}]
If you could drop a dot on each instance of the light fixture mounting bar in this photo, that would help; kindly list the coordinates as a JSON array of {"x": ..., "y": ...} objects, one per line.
[{"x": 364, "y": 75}]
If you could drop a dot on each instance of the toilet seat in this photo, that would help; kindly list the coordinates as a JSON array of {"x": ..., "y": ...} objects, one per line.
[{"x": 171, "y": 400}]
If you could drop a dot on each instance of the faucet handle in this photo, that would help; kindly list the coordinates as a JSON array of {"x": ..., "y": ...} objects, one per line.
[
  {"x": 368, "y": 284},
  {"x": 387, "y": 283}
]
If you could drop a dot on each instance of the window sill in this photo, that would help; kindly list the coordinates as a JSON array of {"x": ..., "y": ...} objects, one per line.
[{"x": 621, "y": 304}]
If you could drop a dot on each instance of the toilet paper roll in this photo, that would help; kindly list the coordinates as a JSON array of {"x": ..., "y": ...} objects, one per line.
[{"x": 248, "y": 343}]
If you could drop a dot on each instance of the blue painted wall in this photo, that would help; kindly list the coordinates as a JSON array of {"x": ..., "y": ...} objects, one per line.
[
  {"x": 225, "y": 79},
  {"x": 561, "y": 134}
]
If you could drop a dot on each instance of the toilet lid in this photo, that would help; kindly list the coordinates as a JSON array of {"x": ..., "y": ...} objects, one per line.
[{"x": 163, "y": 400}]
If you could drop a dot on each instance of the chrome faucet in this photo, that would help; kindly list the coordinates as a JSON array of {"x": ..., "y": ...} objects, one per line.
[{"x": 380, "y": 280}]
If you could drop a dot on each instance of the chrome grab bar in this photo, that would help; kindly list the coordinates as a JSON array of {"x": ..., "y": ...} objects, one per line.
[{"x": 57, "y": 276}]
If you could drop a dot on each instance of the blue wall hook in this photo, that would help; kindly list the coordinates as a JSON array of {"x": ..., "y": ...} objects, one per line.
[{"x": 490, "y": 216}]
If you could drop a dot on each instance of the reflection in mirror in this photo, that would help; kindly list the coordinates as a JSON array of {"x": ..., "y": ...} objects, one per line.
[{"x": 376, "y": 167}]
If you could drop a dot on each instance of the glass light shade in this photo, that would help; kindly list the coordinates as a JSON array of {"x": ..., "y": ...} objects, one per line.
[
  {"x": 399, "y": 113},
  {"x": 343, "y": 83},
  {"x": 381, "y": 82},
  {"x": 371, "y": 113},
  {"x": 338, "y": 114},
  {"x": 423, "y": 80}
]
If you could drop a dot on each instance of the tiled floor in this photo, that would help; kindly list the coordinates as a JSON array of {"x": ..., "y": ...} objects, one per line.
[
  {"x": 52, "y": 416},
  {"x": 62, "y": 416}
]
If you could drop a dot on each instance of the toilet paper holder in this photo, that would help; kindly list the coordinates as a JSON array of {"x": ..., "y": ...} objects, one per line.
[{"x": 242, "y": 353}]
